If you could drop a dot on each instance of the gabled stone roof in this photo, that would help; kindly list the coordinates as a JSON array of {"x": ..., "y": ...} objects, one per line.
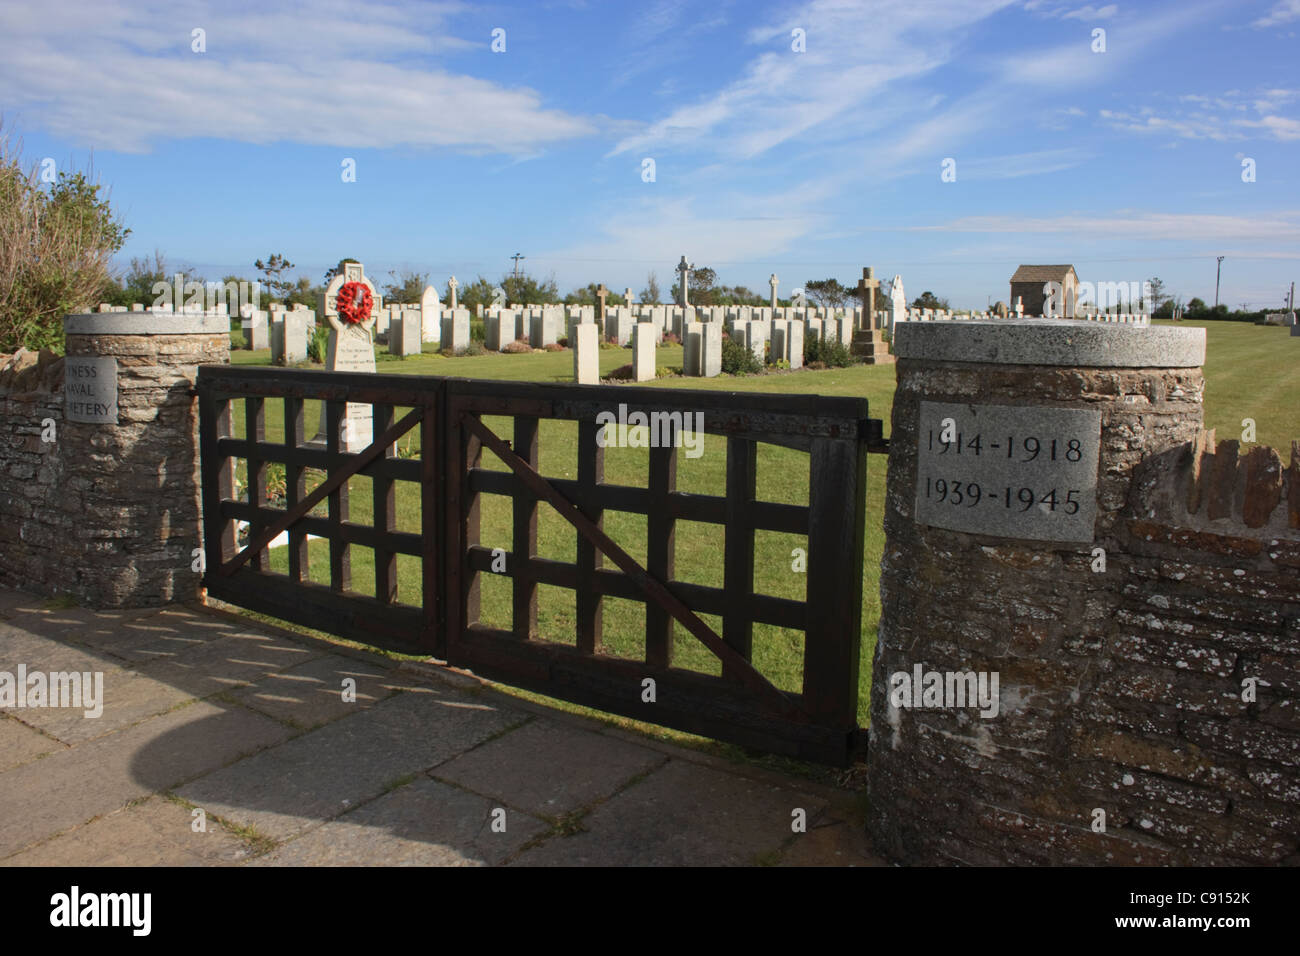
[{"x": 1042, "y": 273}]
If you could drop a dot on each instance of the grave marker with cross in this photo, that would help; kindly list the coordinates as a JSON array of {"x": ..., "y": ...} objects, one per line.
[
  {"x": 684, "y": 271},
  {"x": 601, "y": 294},
  {"x": 451, "y": 290},
  {"x": 867, "y": 287},
  {"x": 351, "y": 349},
  {"x": 774, "y": 282}
]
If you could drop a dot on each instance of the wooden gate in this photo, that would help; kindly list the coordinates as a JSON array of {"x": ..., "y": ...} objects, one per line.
[{"x": 442, "y": 439}]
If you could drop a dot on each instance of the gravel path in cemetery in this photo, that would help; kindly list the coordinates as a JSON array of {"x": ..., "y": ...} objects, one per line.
[{"x": 221, "y": 741}]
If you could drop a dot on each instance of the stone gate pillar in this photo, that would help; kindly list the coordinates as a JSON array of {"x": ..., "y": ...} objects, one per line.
[
  {"x": 128, "y": 450},
  {"x": 1011, "y": 457}
]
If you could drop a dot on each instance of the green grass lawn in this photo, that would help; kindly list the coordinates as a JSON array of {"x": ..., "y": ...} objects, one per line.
[{"x": 1251, "y": 371}]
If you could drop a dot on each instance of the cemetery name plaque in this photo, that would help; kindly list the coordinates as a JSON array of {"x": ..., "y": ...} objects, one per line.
[
  {"x": 90, "y": 389},
  {"x": 1011, "y": 471}
]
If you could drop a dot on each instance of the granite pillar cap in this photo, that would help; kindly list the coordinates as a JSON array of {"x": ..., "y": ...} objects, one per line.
[
  {"x": 147, "y": 323},
  {"x": 1065, "y": 342}
]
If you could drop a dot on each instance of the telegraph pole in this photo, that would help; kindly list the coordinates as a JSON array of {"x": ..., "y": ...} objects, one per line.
[
  {"x": 1217, "y": 269},
  {"x": 517, "y": 257}
]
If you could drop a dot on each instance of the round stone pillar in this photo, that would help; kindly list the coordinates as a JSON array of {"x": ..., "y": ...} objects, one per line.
[
  {"x": 1011, "y": 454},
  {"x": 130, "y": 454}
]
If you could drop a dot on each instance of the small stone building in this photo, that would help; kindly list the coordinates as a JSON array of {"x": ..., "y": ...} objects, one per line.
[{"x": 1028, "y": 283}]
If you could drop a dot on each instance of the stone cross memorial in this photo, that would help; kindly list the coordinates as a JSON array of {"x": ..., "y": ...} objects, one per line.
[
  {"x": 351, "y": 349},
  {"x": 867, "y": 287},
  {"x": 601, "y": 295},
  {"x": 684, "y": 275},
  {"x": 774, "y": 282},
  {"x": 868, "y": 345},
  {"x": 452, "y": 285}
]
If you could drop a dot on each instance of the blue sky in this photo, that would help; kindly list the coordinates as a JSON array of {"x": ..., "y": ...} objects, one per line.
[{"x": 1127, "y": 162}]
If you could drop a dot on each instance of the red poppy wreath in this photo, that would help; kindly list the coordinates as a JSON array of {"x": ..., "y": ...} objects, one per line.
[{"x": 355, "y": 302}]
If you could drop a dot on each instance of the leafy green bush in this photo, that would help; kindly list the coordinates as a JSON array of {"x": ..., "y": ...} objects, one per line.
[
  {"x": 237, "y": 340},
  {"x": 318, "y": 346},
  {"x": 827, "y": 352},
  {"x": 737, "y": 359}
]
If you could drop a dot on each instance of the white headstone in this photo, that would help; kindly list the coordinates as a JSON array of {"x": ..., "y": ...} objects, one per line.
[
  {"x": 405, "y": 335},
  {"x": 455, "y": 329},
  {"x": 586, "y": 353},
  {"x": 691, "y": 336},
  {"x": 351, "y": 349},
  {"x": 710, "y": 349},
  {"x": 644, "y": 337}
]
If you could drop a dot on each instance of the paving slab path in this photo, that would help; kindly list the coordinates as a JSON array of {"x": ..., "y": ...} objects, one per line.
[{"x": 222, "y": 741}]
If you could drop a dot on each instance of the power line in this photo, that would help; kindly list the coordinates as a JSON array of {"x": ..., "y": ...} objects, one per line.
[{"x": 852, "y": 264}]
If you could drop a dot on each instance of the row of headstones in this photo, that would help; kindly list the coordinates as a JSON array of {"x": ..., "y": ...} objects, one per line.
[
  {"x": 540, "y": 326},
  {"x": 702, "y": 344},
  {"x": 219, "y": 307},
  {"x": 285, "y": 331}
]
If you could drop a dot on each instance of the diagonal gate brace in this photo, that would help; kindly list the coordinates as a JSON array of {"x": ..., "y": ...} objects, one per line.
[
  {"x": 653, "y": 587},
  {"x": 373, "y": 451}
]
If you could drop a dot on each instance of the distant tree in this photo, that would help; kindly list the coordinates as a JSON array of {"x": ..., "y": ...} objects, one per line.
[
  {"x": 273, "y": 270},
  {"x": 304, "y": 293},
  {"x": 523, "y": 289},
  {"x": 702, "y": 280},
  {"x": 407, "y": 287},
  {"x": 928, "y": 300},
  {"x": 1158, "y": 293},
  {"x": 137, "y": 284},
  {"x": 650, "y": 294},
  {"x": 586, "y": 295},
  {"x": 734, "y": 295},
  {"x": 473, "y": 294},
  {"x": 1197, "y": 304},
  {"x": 827, "y": 292}
]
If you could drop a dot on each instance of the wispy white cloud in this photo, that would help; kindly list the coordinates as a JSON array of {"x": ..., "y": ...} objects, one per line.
[
  {"x": 356, "y": 74},
  {"x": 724, "y": 227},
  {"x": 1021, "y": 164},
  {"x": 1091, "y": 13},
  {"x": 1283, "y": 12},
  {"x": 1137, "y": 226},
  {"x": 1205, "y": 123},
  {"x": 783, "y": 95},
  {"x": 1282, "y": 127}
]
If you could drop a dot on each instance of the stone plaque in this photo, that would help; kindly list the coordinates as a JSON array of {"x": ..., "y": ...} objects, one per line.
[
  {"x": 90, "y": 389},
  {"x": 1011, "y": 471}
]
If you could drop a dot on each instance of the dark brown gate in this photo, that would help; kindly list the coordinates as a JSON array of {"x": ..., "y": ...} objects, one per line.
[{"x": 450, "y": 469}]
